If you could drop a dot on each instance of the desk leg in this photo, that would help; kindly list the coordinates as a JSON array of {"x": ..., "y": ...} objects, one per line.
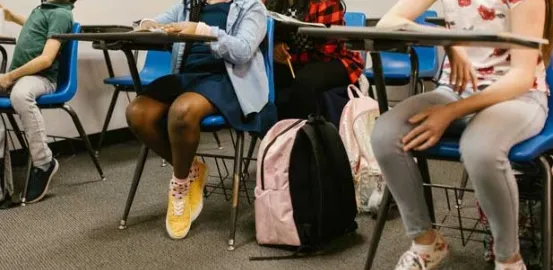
[
  {"x": 134, "y": 71},
  {"x": 382, "y": 96}
]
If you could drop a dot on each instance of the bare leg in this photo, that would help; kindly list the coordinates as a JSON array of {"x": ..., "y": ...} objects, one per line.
[
  {"x": 143, "y": 116},
  {"x": 185, "y": 115}
]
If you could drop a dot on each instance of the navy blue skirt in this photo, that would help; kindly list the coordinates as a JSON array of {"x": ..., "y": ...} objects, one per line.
[{"x": 218, "y": 89}]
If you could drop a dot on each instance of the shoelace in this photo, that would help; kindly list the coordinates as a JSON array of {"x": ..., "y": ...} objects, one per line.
[
  {"x": 178, "y": 192},
  {"x": 408, "y": 259}
]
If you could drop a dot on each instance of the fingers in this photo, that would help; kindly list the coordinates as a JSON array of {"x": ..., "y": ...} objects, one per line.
[
  {"x": 429, "y": 143},
  {"x": 419, "y": 117},
  {"x": 413, "y": 134},
  {"x": 417, "y": 141},
  {"x": 474, "y": 79}
]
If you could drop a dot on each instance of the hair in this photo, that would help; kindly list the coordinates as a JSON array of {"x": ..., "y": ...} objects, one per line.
[
  {"x": 548, "y": 32},
  {"x": 281, "y": 6}
]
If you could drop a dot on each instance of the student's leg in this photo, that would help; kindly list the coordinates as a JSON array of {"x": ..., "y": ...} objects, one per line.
[
  {"x": 485, "y": 146},
  {"x": 23, "y": 97},
  {"x": 313, "y": 79},
  {"x": 283, "y": 80},
  {"x": 404, "y": 180},
  {"x": 186, "y": 187},
  {"x": 144, "y": 115}
]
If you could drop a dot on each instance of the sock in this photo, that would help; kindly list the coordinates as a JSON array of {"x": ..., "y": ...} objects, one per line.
[
  {"x": 510, "y": 266},
  {"x": 426, "y": 249},
  {"x": 44, "y": 167},
  {"x": 194, "y": 172},
  {"x": 179, "y": 187}
]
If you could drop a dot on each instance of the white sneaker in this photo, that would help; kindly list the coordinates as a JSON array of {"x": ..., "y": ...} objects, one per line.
[
  {"x": 424, "y": 257},
  {"x": 511, "y": 266}
]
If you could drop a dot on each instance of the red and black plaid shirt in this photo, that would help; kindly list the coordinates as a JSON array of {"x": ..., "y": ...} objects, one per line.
[{"x": 330, "y": 12}]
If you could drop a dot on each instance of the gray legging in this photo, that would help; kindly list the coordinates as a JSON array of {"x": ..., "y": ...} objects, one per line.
[{"x": 486, "y": 139}]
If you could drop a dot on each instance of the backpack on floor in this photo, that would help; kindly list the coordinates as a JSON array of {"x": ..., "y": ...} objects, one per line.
[
  {"x": 356, "y": 125},
  {"x": 304, "y": 192},
  {"x": 7, "y": 189}
]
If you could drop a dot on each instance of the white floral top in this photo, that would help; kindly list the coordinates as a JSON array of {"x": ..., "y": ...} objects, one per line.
[{"x": 485, "y": 15}]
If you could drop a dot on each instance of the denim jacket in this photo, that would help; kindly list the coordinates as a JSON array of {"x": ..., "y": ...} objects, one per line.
[{"x": 238, "y": 46}]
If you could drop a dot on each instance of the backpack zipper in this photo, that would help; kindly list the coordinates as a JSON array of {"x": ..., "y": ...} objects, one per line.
[{"x": 267, "y": 151}]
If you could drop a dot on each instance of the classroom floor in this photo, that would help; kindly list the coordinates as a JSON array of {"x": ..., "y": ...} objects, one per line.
[{"x": 76, "y": 226}]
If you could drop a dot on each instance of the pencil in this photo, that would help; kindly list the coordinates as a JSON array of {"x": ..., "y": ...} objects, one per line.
[{"x": 291, "y": 68}]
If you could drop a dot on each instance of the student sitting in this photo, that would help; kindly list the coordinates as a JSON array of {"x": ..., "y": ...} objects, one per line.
[
  {"x": 504, "y": 95},
  {"x": 227, "y": 77},
  {"x": 319, "y": 65},
  {"x": 33, "y": 73}
]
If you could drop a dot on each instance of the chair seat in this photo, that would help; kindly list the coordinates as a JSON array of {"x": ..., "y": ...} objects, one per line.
[
  {"x": 213, "y": 122},
  {"x": 397, "y": 66},
  {"x": 524, "y": 151},
  {"x": 59, "y": 97},
  {"x": 127, "y": 80}
]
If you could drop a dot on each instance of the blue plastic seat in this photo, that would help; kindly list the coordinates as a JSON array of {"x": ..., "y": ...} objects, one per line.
[
  {"x": 157, "y": 64},
  {"x": 66, "y": 90},
  {"x": 397, "y": 66}
]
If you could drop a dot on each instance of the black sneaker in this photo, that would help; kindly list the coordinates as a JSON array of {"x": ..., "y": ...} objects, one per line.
[{"x": 39, "y": 181}]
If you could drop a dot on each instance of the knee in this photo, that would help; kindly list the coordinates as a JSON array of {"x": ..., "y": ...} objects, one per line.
[
  {"x": 386, "y": 136},
  {"x": 20, "y": 98},
  {"x": 184, "y": 115},
  {"x": 480, "y": 155},
  {"x": 136, "y": 114}
]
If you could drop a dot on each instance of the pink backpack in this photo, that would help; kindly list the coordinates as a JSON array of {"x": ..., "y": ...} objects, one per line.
[
  {"x": 304, "y": 193},
  {"x": 356, "y": 124}
]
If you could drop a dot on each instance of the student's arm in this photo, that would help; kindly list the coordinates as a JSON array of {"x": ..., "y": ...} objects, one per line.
[
  {"x": 527, "y": 19},
  {"x": 40, "y": 63},
  {"x": 404, "y": 12},
  {"x": 169, "y": 16},
  {"x": 240, "y": 48},
  {"x": 12, "y": 17}
]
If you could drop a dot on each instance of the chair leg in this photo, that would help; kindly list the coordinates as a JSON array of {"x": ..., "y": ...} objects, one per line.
[
  {"x": 251, "y": 149},
  {"x": 239, "y": 154},
  {"x": 134, "y": 185},
  {"x": 423, "y": 167},
  {"x": 216, "y": 136},
  {"x": 85, "y": 139},
  {"x": 547, "y": 207},
  {"x": 27, "y": 175},
  {"x": 379, "y": 227},
  {"x": 464, "y": 182},
  {"x": 111, "y": 107},
  {"x": 163, "y": 163},
  {"x": 17, "y": 131}
]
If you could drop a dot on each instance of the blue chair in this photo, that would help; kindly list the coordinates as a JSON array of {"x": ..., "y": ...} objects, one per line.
[
  {"x": 157, "y": 64},
  {"x": 212, "y": 124},
  {"x": 397, "y": 67},
  {"x": 537, "y": 149},
  {"x": 67, "y": 87}
]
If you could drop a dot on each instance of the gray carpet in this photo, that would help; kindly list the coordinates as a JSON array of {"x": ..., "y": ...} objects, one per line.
[{"x": 75, "y": 227}]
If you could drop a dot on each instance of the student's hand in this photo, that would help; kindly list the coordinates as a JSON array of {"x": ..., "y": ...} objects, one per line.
[
  {"x": 5, "y": 82},
  {"x": 8, "y": 15},
  {"x": 430, "y": 125},
  {"x": 462, "y": 71},
  {"x": 181, "y": 28},
  {"x": 281, "y": 54}
]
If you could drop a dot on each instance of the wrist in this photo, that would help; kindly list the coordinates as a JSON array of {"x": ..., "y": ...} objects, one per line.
[{"x": 452, "y": 111}]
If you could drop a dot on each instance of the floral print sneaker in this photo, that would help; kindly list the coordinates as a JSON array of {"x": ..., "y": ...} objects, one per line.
[{"x": 422, "y": 257}]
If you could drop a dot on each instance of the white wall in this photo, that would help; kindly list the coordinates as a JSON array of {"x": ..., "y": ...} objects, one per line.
[{"x": 93, "y": 96}]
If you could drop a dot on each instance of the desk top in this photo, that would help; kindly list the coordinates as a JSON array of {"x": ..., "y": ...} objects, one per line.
[
  {"x": 402, "y": 38},
  {"x": 106, "y": 28},
  {"x": 143, "y": 38},
  {"x": 5, "y": 40}
]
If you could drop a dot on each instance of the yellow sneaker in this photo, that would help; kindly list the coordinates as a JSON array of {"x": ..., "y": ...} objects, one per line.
[
  {"x": 178, "y": 219},
  {"x": 198, "y": 177}
]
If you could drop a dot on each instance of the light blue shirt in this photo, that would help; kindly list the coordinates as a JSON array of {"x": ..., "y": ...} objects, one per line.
[{"x": 238, "y": 46}]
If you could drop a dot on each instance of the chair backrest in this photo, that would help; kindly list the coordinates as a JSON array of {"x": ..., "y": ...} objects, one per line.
[
  {"x": 67, "y": 73},
  {"x": 355, "y": 18},
  {"x": 157, "y": 62},
  {"x": 549, "y": 78},
  {"x": 267, "y": 50}
]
